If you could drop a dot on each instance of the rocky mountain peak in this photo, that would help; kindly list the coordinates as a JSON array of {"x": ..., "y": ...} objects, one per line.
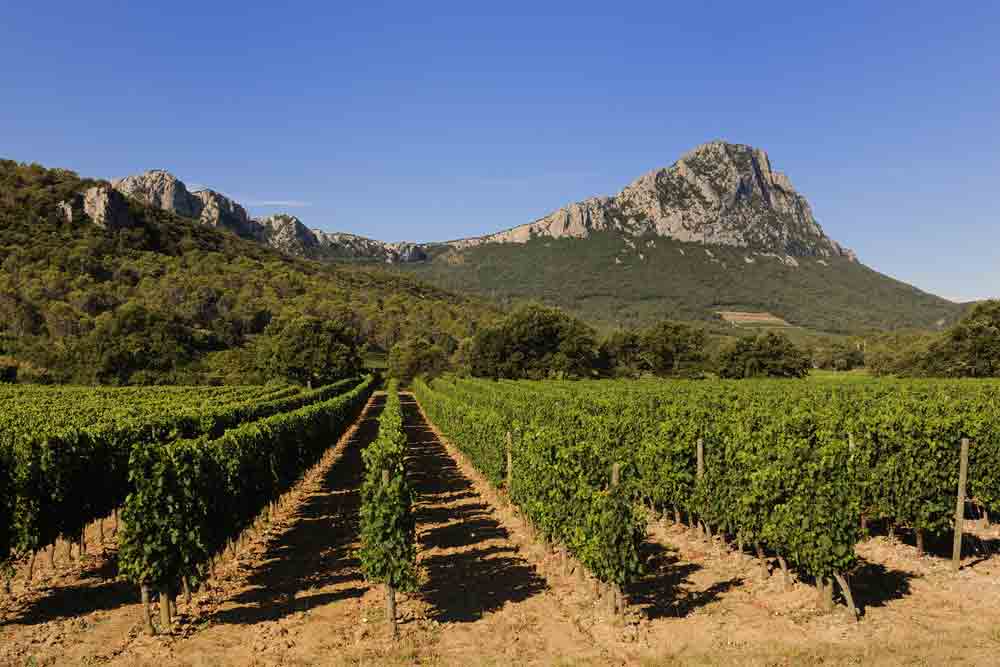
[
  {"x": 287, "y": 233},
  {"x": 717, "y": 193},
  {"x": 161, "y": 189}
]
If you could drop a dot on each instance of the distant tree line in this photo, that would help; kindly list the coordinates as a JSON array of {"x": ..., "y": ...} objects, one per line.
[
  {"x": 538, "y": 342},
  {"x": 970, "y": 348}
]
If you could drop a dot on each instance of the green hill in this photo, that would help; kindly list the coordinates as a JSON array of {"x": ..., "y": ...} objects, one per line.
[
  {"x": 612, "y": 279},
  {"x": 183, "y": 300}
]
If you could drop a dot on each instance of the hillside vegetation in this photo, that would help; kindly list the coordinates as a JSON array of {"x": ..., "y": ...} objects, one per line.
[
  {"x": 610, "y": 279},
  {"x": 168, "y": 300}
]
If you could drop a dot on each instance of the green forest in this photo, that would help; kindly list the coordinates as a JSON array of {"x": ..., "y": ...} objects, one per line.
[{"x": 169, "y": 301}]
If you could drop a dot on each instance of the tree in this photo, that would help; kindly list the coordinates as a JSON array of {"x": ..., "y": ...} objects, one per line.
[
  {"x": 971, "y": 348},
  {"x": 769, "y": 355},
  {"x": 310, "y": 351},
  {"x": 134, "y": 345},
  {"x": 416, "y": 356},
  {"x": 534, "y": 342},
  {"x": 838, "y": 356},
  {"x": 897, "y": 353},
  {"x": 669, "y": 348},
  {"x": 8, "y": 371},
  {"x": 620, "y": 354}
]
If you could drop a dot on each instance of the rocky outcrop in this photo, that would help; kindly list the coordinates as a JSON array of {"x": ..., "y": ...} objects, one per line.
[
  {"x": 281, "y": 231},
  {"x": 405, "y": 252},
  {"x": 352, "y": 246},
  {"x": 287, "y": 234},
  {"x": 161, "y": 189},
  {"x": 719, "y": 193},
  {"x": 66, "y": 210},
  {"x": 105, "y": 207}
]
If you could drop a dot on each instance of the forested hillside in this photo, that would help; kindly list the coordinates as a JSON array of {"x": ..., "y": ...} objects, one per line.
[
  {"x": 613, "y": 279},
  {"x": 161, "y": 298}
]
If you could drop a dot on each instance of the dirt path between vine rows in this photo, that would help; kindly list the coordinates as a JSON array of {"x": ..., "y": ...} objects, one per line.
[
  {"x": 491, "y": 594},
  {"x": 79, "y": 613},
  {"x": 294, "y": 595}
]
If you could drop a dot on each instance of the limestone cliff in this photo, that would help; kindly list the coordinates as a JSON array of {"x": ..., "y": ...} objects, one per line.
[
  {"x": 719, "y": 193},
  {"x": 163, "y": 190}
]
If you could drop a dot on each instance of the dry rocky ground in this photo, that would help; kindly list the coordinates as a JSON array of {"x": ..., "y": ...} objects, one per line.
[{"x": 491, "y": 595}]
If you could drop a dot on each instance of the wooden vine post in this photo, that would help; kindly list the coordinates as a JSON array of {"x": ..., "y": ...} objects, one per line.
[
  {"x": 510, "y": 465},
  {"x": 963, "y": 472},
  {"x": 617, "y": 596},
  {"x": 701, "y": 458},
  {"x": 700, "y": 448},
  {"x": 390, "y": 591}
]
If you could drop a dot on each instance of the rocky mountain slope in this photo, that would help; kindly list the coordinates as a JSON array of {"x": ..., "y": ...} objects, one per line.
[
  {"x": 719, "y": 229},
  {"x": 718, "y": 194},
  {"x": 284, "y": 232}
]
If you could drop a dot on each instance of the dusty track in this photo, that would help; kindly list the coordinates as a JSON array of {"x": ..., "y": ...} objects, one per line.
[{"x": 491, "y": 595}]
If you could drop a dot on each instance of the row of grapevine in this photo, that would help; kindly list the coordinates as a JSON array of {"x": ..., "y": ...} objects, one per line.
[
  {"x": 904, "y": 436},
  {"x": 62, "y": 476},
  {"x": 560, "y": 474},
  {"x": 790, "y": 466},
  {"x": 52, "y": 408},
  {"x": 388, "y": 528},
  {"x": 189, "y": 497}
]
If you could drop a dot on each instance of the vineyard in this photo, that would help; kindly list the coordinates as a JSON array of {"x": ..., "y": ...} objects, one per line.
[
  {"x": 189, "y": 466},
  {"x": 470, "y": 499},
  {"x": 793, "y": 469}
]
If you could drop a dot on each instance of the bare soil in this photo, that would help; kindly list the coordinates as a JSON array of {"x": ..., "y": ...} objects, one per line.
[{"x": 491, "y": 594}]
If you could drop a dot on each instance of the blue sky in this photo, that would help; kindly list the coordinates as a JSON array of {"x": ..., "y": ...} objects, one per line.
[{"x": 427, "y": 121}]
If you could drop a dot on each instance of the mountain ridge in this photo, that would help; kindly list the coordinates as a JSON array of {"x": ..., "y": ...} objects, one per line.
[
  {"x": 665, "y": 202},
  {"x": 718, "y": 193},
  {"x": 720, "y": 221}
]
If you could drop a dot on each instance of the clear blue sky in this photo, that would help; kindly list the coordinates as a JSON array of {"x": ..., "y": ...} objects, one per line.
[{"x": 436, "y": 120}]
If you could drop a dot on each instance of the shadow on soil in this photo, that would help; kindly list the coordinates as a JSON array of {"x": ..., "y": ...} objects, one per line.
[
  {"x": 940, "y": 544},
  {"x": 663, "y": 592},
  {"x": 78, "y": 600},
  {"x": 874, "y": 585},
  {"x": 473, "y": 576},
  {"x": 318, "y": 550}
]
